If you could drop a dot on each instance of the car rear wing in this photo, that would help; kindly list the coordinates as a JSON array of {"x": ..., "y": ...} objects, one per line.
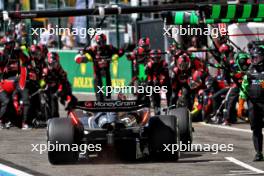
[{"x": 111, "y": 106}]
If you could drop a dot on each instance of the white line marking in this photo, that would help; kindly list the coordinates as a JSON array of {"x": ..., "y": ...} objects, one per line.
[
  {"x": 240, "y": 171},
  {"x": 242, "y": 164},
  {"x": 224, "y": 161},
  {"x": 239, "y": 174},
  {"x": 226, "y": 127},
  {"x": 13, "y": 171}
]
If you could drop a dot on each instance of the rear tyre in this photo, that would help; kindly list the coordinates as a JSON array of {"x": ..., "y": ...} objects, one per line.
[
  {"x": 62, "y": 131},
  {"x": 185, "y": 124},
  {"x": 163, "y": 130}
]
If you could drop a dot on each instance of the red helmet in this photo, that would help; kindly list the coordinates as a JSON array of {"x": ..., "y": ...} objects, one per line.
[
  {"x": 53, "y": 60},
  {"x": 225, "y": 49},
  {"x": 140, "y": 51},
  {"x": 184, "y": 62},
  {"x": 8, "y": 39},
  {"x": 155, "y": 54},
  {"x": 35, "y": 51},
  {"x": 196, "y": 79},
  {"x": 144, "y": 43},
  {"x": 9, "y": 42},
  {"x": 100, "y": 39}
]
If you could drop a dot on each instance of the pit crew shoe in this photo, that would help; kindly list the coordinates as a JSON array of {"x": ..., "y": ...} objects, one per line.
[
  {"x": 25, "y": 126},
  {"x": 8, "y": 125},
  {"x": 226, "y": 123},
  {"x": 2, "y": 126},
  {"x": 258, "y": 157}
]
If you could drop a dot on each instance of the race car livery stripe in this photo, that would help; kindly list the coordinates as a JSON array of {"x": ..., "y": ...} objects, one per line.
[
  {"x": 194, "y": 19},
  {"x": 178, "y": 18},
  {"x": 231, "y": 11},
  {"x": 184, "y": 18},
  {"x": 9, "y": 171},
  {"x": 260, "y": 11},
  {"x": 246, "y": 11},
  {"x": 221, "y": 14},
  {"x": 215, "y": 11},
  {"x": 240, "y": 20}
]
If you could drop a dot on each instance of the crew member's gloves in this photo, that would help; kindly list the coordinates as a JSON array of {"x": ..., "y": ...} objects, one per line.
[
  {"x": 59, "y": 92},
  {"x": 82, "y": 58},
  {"x": 42, "y": 83},
  {"x": 115, "y": 58},
  {"x": 240, "y": 109}
]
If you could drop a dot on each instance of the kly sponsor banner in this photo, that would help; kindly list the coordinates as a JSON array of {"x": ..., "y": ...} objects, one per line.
[{"x": 81, "y": 75}]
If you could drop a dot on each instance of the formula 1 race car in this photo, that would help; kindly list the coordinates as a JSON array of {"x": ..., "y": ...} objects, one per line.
[{"x": 125, "y": 126}]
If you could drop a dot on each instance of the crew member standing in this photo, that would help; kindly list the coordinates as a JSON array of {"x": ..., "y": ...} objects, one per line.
[{"x": 253, "y": 90}]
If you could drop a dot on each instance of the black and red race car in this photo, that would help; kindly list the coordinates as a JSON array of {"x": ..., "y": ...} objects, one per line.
[{"x": 124, "y": 126}]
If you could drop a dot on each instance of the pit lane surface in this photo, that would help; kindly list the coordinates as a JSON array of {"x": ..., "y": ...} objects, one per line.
[{"x": 15, "y": 152}]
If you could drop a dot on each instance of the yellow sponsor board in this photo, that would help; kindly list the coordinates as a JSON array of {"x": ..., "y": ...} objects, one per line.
[
  {"x": 87, "y": 82},
  {"x": 82, "y": 82},
  {"x": 118, "y": 82},
  {"x": 81, "y": 75}
]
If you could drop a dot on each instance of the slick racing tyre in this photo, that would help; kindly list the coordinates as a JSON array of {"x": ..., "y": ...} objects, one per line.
[
  {"x": 61, "y": 131},
  {"x": 163, "y": 130},
  {"x": 184, "y": 122}
]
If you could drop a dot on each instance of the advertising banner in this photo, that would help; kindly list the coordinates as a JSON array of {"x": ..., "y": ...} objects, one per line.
[{"x": 81, "y": 75}]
